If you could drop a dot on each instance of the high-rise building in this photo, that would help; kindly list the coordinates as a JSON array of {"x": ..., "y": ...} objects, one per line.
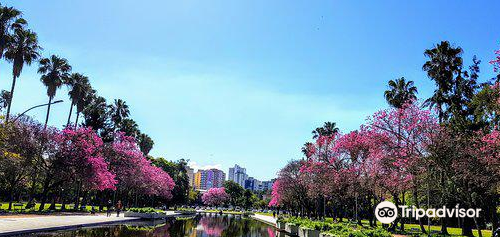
[
  {"x": 207, "y": 179},
  {"x": 267, "y": 185},
  {"x": 238, "y": 175},
  {"x": 253, "y": 184},
  {"x": 190, "y": 174}
]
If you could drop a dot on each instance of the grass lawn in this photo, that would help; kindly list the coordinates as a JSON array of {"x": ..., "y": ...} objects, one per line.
[
  {"x": 408, "y": 227},
  {"x": 5, "y": 206},
  {"x": 224, "y": 212},
  {"x": 264, "y": 213}
]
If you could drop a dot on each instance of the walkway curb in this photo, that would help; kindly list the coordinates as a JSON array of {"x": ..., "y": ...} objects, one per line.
[{"x": 66, "y": 227}]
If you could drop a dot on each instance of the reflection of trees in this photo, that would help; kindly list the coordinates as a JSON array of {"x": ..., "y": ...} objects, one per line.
[
  {"x": 213, "y": 226},
  {"x": 200, "y": 226}
]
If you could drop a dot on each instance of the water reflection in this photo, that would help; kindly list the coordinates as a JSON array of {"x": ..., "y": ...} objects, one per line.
[{"x": 199, "y": 226}]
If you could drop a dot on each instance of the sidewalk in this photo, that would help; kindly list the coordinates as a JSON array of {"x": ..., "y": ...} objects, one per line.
[
  {"x": 23, "y": 225},
  {"x": 267, "y": 219}
]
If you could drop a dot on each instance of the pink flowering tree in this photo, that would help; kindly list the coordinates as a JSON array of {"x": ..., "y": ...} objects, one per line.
[
  {"x": 215, "y": 197},
  {"x": 135, "y": 173},
  {"x": 81, "y": 151},
  {"x": 80, "y": 160}
]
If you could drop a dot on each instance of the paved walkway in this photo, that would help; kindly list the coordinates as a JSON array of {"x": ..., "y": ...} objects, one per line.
[
  {"x": 267, "y": 219},
  {"x": 22, "y": 225}
]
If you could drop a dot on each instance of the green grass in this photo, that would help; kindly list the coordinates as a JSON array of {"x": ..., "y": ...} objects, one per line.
[
  {"x": 453, "y": 231},
  {"x": 224, "y": 212},
  {"x": 264, "y": 213},
  {"x": 5, "y": 206}
]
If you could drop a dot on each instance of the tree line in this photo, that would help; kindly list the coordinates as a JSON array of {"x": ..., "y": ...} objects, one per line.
[
  {"x": 442, "y": 151},
  {"x": 99, "y": 155}
]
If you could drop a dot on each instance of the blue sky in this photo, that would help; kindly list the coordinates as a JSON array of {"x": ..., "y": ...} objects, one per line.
[{"x": 225, "y": 82}]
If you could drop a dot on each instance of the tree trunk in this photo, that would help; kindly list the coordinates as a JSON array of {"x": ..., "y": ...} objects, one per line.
[
  {"x": 76, "y": 121},
  {"x": 467, "y": 227},
  {"x": 10, "y": 97},
  {"x": 77, "y": 200},
  {"x": 63, "y": 201},
  {"x": 403, "y": 219},
  {"x": 417, "y": 204},
  {"x": 11, "y": 197},
  {"x": 444, "y": 228},
  {"x": 477, "y": 227},
  {"x": 70, "y": 112},
  {"x": 53, "y": 203},
  {"x": 44, "y": 194},
  {"x": 48, "y": 113}
]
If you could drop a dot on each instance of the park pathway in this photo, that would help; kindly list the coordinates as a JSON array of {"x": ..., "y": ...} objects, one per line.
[
  {"x": 31, "y": 224},
  {"x": 267, "y": 219}
]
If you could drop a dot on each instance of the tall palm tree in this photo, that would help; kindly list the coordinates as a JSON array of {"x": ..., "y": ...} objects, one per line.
[
  {"x": 23, "y": 49},
  {"x": 400, "y": 92},
  {"x": 129, "y": 127},
  {"x": 328, "y": 129},
  {"x": 119, "y": 111},
  {"x": 78, "y": 87},
  {"x": 444, "y": 62},
  {"x": 96, "y": 113},
  {"x": 55, "y": 71},
  {"x": 87, "y": 99},
  {"x": 10, "y": 19}
]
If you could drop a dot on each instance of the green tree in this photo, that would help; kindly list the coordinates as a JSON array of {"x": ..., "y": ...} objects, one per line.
[
  {"x": 444, "y": 63},
  {"x": 129, "y": 127},
  {"x": 119, "y": 112},
  {"x": 96, "y": 114},
  {"x": 85, "y": 102},
  {"x": 400, "y": 92},
  {"x": 55, "y": 71},
  {"x": 178, "y": 171},
  {"x": 10, "y": 20},
  {"x": 236, "y": 193},
  {"x": 79, "y": 87},
  {"x": 328, "y": 129},
  {"x": 23, "y": 49},
  {"x": 145, "y": 143},
  {"x": 4, "y": 99}
]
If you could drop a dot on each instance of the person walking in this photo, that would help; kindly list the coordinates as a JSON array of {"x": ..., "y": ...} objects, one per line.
[
  {"x": 109, "y": 207},
  {"x": 118, "y": 207}
]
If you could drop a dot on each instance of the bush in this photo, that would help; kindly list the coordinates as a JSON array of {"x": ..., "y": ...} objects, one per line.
[
  {"x": 144, "y": 210},
  {"x": 337, "y": 229}
]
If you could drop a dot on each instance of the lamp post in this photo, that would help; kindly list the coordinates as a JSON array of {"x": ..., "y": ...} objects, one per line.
[{"x": 20, "y": 115}]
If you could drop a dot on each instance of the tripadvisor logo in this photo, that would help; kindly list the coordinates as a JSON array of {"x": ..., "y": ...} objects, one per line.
[{"x": 386, "y": 212}]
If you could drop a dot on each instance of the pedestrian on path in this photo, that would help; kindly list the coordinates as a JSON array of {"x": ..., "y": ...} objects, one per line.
[
  {"x": 109, "y": 207},
  {"x": 118, "y": 207}
]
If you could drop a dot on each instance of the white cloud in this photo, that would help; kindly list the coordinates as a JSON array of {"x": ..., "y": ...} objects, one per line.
[{"x": 196, "y": 166}]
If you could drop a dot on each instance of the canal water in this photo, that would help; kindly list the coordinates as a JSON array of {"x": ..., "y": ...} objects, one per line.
[{"x": 202, "y": 225}]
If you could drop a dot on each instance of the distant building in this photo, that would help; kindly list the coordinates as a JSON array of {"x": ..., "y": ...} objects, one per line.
[
  {"x": 267, "y": 185},
  {"x": 253, "y": 184},
  {"x": 190, "y": 174},
  {"x": 207, "y": 179},
  {"x": 238, "y": 175}
]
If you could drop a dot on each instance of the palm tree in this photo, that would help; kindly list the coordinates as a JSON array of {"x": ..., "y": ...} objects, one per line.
[
  {"x": 129, "y": 127},
  {"x": 119, "y": 111},
  {"x": 78, "y": 87},
  {"x": 96, "y": 113},
  {"x": 87, "y": 99},
  {"x": 23, "y": 49},
  {"x": 145, "y": 143},
  {"x": 328, "y": 129},
  {"x": 444, "y": 63},
  {"x": 10, "y": 19},
  {"x": 55, "y": 71},
  {"x": 4, "y": 99},
  {"x": 400, "y": 92}
]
